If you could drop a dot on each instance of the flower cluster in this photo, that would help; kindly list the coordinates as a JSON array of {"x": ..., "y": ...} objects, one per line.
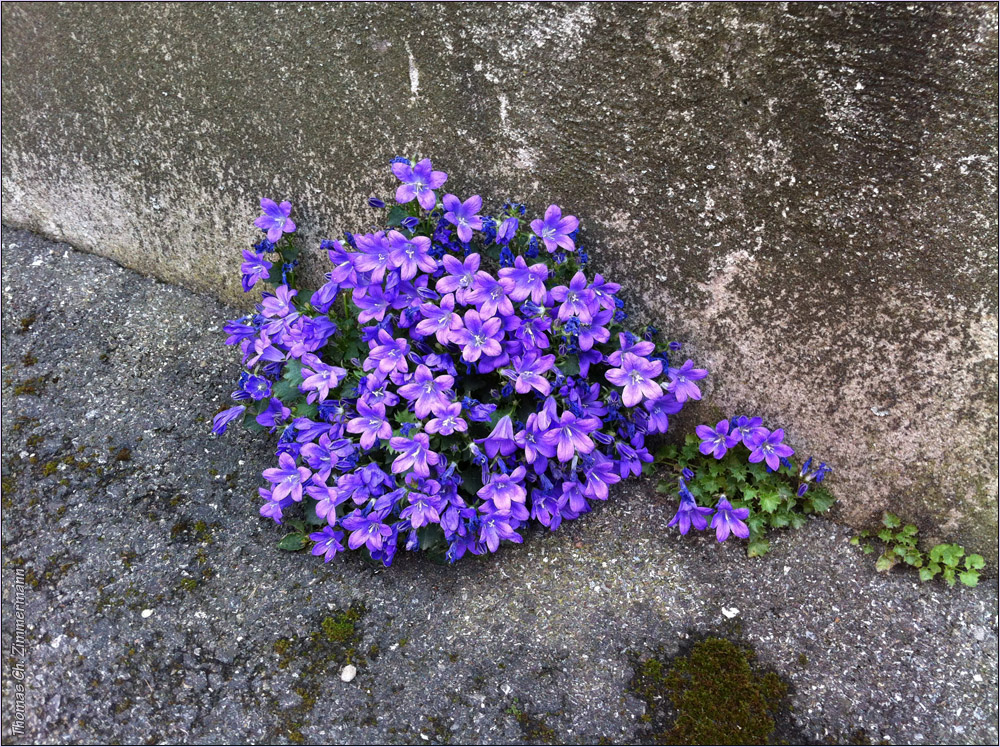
[
  {"x": 767, "y": 489},
  {"x": 457, "y": 376}
]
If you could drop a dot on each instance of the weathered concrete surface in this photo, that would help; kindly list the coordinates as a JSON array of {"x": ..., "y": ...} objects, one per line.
[
  {"x": 806, "y": 193},
  {"x": 117, "y": 500}
]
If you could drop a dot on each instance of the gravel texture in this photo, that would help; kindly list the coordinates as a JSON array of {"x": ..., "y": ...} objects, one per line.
[{"x": 117, "y": 500}]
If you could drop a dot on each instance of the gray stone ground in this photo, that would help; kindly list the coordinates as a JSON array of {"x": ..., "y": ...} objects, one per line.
[{"x": 127, "y": 373}]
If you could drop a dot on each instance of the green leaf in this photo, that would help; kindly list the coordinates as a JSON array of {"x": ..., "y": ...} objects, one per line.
[
  {"x": 431, "y": 536},
  {"x": 819, "y": 501},
  {"x": 292, "y": 542},
  {"x": 570, "y": 366},
  {"x": 396, "y": 215},
  {"x": 885, "y": 535},
  {"x": 769, "y": 501},
  {"x": 868, "y": 549},
  {"x": 885, "y": 563},
  {"x": 749, "y": 492},
  {"x": 913, "y": 557},
  {"x": 663, "y": 487},
  {"x": 969, "y": 578},
  {"x": 948, "y": 574},
  {"x": 757, "y": 548},
  {"x": 305, "y": 410},
  {"x": 796, "y": 520},
  {"x": 949, "y": 555},
  {"x": 974, "y": 562},
  {"x": 926, "y": 574},
  {"x": 856, "y": 540},
  {"x": 311, "y": 516},
  {"x": 890, "y": 520}
]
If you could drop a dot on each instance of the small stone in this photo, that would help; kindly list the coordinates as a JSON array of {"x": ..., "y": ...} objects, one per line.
[
  {"x": 730, "y": 612},
  {"x": 977, "y": 678},
  {"x": 348, "y": 673},
  {"x": 147, "y": 612},
  {"x": 979, "y": 632}
]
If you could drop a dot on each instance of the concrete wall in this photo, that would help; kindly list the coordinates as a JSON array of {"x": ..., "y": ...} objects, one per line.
[{"x": 805, "y": 193}]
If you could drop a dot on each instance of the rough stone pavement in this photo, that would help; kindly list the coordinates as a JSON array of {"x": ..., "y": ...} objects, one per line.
[{"x": 159, "y": 609}]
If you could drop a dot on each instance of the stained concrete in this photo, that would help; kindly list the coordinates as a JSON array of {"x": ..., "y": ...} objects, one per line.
[
  {"x": 158, "y": 608},
  {"x": 805, "y": 194}
]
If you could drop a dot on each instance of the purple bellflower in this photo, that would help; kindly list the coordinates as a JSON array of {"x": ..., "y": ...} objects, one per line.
[
  {"x": 716, "y": 442},
  {"x": 554, "y": 229},
  {"x": 418, "y": 182},
  {"x": 275, "y": 220},
  {"x": 728, "y": 519},
  {"x": 463, "y": 215}
]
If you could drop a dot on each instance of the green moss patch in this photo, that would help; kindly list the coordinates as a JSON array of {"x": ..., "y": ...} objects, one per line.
[{"x": 713, "y": 693}]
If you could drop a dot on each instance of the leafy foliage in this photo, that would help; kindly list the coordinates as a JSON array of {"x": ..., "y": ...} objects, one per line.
[{"x": 899, "y": 545}]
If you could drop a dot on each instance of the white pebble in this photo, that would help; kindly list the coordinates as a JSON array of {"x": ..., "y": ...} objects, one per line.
[
  {"x": 730, "y": 612},
  {"x": 348, "y": 673},
  {"x": 147, "y": 613}
]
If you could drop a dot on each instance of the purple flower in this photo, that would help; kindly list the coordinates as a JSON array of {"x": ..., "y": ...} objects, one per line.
[
  {"x": 328, "y": 543},
  {"x": 275, "y": 414},
  {"x": 324, "y": 455},
  {"x": 728, "y": 519},
  {"x": 605, "y": 292},
  {"x": 463, "y": 215},
  {"x": 221, "y": 421},
  {"x": 749, "y": 429},
  {"x": 716, "y": 442},
  {"x": 636, "y": 376},
  {"x": 570, "y": 434},
  {"x": 414, "y": 454},
  {"x": 528, "y": 372},
  {"x": 520, "y": 281},
  {"x": 448, "y": 420},
  {"x": 423, "y": 510},
  {"x": 629, "y": 344},
  {"x": 507, "y": 230},
  {"x": 418, "y": 182},
  {"x": 495, "y": 528},
  {"x": 459, "y": 277},
  {"x": 599, "y": 473},
  {"x": 501, "y": 439},
  {"x": 280, "y": 304},
  {"x": 410, "y": 255},
  {"x": 554, "y": 230},
  {"x": 373, "y": 256},
  {"x": 689, "y": 514},
  {"x": 504, "y": 489},
  {"x": 343, "y": 263},
  {"x": 275, "y": 219},
  {"x": 287, "y": 479},
  {"x": 320, "y": 378},
  {"x": 370, "y": 423},
  {"x": 440, "y": 320},
  {"x": 255, "y": 268},
  {"x": 366, "y": 530},
  {"x": 428, "y": 391},
  {"x": 389, "y": 354},
  {"x": 682, "y": 381},
  {"x": 488, "y": 296},
  {"x": 769, "y": 448},
  {"x": 659, "y": 409},
  {"x": 373, "y": 302},
  {"x": 257, "y": 387},
  {"x": 576, "y": 300},
  {"x": 573, "y": 497},
  {"x": 594, "y": 330},
  {"x": 536, "y": 451},
  {"x": 477, "y": 337}
]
